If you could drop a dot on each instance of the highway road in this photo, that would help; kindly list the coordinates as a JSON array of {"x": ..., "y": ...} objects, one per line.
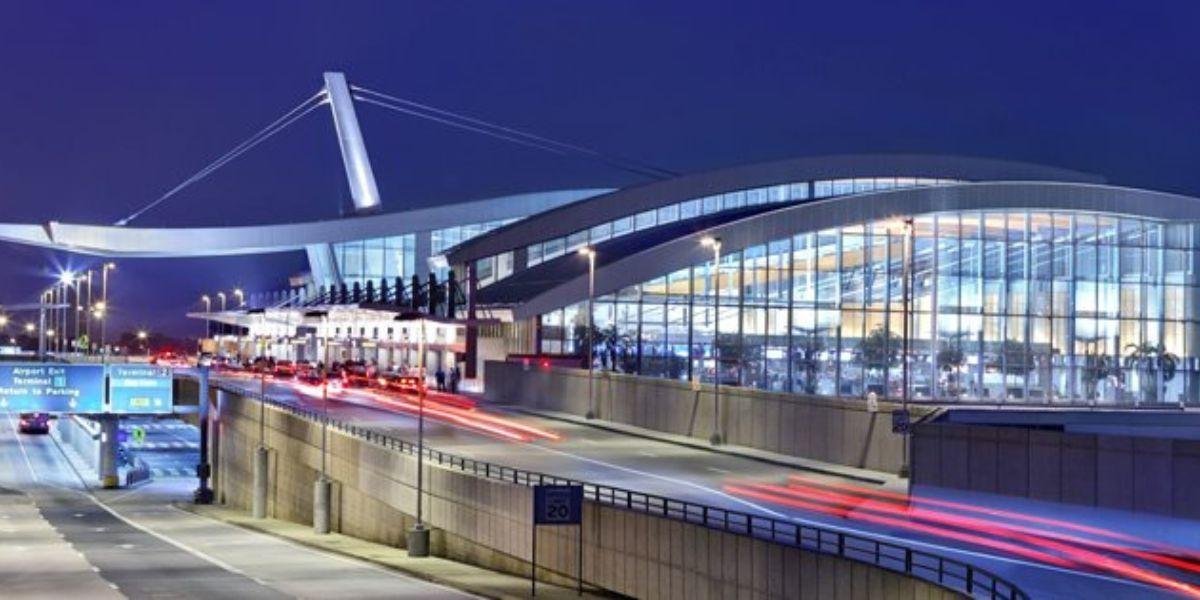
[
  {"x": 59, "y": 539},
  {"x": 720, "y": 479}
]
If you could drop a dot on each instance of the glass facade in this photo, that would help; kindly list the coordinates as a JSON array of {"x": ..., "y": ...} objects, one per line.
[
  {"x": 690, "y": 209},
  {"x": 376, "y": 258},
  {"x": 1036, "y": 307}
]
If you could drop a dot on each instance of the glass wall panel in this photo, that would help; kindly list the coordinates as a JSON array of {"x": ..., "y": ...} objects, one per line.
[{"x": 1003, "y": 307}]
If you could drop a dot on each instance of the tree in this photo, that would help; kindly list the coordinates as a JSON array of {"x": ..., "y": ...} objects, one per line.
[
  {"x": 807, "y": 347},
  {"x": 1096, "y": 368},
  {"x": 949, "y": 360},
  {"x": 1011, "y": 359},
  {"x": 880, "y": 350},
  {"x": 1151, "y": 360}
]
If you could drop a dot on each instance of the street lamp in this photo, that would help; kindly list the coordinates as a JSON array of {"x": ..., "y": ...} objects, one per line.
[
  {"x": 709, "y": 241},
  {"x": 906, "y": 288},
  {"x": 207, "y": 310},
  {"x": 590, "y": 254},
  {"x": 30, "y": 328},
  {"x": 104, "y": 309},
  {"x": 221, "y": 297},
  {"x": 142, "y": 336}
]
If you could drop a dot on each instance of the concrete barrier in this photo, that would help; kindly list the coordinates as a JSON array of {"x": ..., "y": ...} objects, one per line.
[
  {"x": 82, "y": 435},
  {"x": 827, "y": 429},
  {"x": 487, "y": 522},
  {"x": 1109, "y": 471}
]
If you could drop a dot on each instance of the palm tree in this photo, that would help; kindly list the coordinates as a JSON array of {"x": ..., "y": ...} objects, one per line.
[{"x": 1151, "y": 361}]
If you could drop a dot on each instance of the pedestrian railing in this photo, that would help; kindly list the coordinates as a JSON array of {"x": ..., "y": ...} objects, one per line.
[{"x": 946, "y": 572}]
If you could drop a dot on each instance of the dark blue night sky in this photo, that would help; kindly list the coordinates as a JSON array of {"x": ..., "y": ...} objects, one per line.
[{"x": 107, "y": 105}]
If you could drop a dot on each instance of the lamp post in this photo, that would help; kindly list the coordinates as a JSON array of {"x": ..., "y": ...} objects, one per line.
[
  {"x": 715, "y": 244},
  {"x": 65, "y": 279},
  {"x": 418, "y": 537},
  {"x": 323, "y": 486},
  {"x": 87, "y": 315},
  {"x": 590, "y": 254},
  {"x": 104, "y": 309},
  {"x": 906, "y": 288},
  {"x": 207, "y": 312},
  {"x": 221, "y": 297}
]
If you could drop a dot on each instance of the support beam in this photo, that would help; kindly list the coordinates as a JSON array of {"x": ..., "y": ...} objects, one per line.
[{"x": 354, "y": 151}]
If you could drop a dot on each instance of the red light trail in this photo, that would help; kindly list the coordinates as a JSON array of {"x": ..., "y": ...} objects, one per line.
[{"x": 881, "y": 507}]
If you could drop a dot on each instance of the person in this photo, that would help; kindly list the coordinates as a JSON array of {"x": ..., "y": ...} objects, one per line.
[
  {"x": 454, "y": 379},
  {"x": 440, "y": 377}
]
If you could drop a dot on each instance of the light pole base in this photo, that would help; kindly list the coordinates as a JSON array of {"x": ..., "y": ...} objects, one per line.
[
  {"x": 261, "y": 458},
  {"x": 590, "y": 415},
  {"x": 715, "y": 439},
  {"x": 903, "y": 473},
  {"x": 418, "y": 541},
  {"x": 203, "y": 493},
  {"x": 321, "y": 492}
]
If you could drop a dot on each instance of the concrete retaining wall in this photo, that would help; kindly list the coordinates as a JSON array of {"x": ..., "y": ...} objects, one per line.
[
  {"x": 1132, "y": 473},
  {"x": 80, "y": 434},
  {"x": 487, "y": 523},
  {"x": 825, "y": 429}
]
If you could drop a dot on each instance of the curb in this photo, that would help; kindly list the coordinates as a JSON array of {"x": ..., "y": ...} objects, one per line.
[
  {"x": 639, "y": 433},
  {"x": 379, "y": 563}
]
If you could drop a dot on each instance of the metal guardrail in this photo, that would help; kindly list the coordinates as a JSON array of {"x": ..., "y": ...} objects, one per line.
[{"x": 948, "y": 573}]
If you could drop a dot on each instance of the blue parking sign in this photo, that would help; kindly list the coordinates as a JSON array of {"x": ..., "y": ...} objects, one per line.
[
  {"x": 52, "y": 388},
  {"x": 557, "y": 504}
]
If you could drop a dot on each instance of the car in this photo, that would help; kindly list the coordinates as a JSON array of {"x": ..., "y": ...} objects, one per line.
[
  {"x": 34, "y": 423},
  {"x": 405, "y": 384},
  {"x": 169, "y": 359},
  {"x": 284, "y": 369}
]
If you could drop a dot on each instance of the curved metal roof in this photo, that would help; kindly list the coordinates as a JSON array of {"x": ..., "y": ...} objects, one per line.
[
  {"x": 572, "y": 217},
  {"x": 259, "y": 239},
  {"x": 571, "y": 283}
]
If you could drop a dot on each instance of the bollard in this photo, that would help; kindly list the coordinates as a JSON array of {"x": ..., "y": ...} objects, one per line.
[
  {"x": 260, "y": 482},
  {"x": 108, "y": 452},
  {"x": 321, "y": 490}
]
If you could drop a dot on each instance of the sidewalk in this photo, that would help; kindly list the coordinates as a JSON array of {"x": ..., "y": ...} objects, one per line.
[
  {"x": 869, "y": 476},
  {"x": 468, "y": 578}
]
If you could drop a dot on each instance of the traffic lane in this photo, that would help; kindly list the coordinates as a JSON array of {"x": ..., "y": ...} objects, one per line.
[
  {"x": 34, "y": 560},
  {"x": 139, "y": 564},
  {"x": 682, "y": 473},
  {"x": 290, "y": 568},
  {"x": 171, "y": 448}
]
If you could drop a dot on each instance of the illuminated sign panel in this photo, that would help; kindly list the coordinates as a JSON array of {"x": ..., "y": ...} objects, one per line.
[
  {"x": 139, "y": 389},
  {"x": 54, "y": 388}
]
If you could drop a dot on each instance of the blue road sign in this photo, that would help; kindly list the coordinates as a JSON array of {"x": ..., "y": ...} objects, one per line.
[
  {"x": 53, "y": 388},
  {"x": 557, "y": 504},
  {"x": 900, "y": 421},
  {"x": 139, "y": 389}
]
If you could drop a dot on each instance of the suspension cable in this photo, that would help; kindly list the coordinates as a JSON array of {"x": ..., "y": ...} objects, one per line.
[
  {"x": 418, "y": 109},
  {"x": 262, "y": 135},
  {"x": 465, "y": 127}
]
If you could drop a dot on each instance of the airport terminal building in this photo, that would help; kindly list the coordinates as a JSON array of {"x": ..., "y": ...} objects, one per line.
[
  {"x": 943, "y": 279},
  {"x": 974, "y": 281}
]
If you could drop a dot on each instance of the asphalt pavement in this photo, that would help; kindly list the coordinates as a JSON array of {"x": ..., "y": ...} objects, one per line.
[
  {"x": 686, "y": 473},
  {"x": 58, "y": 539}
]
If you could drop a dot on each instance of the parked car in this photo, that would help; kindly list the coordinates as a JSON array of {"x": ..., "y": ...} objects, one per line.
[
  {"x": 34, "y": 423},
  {"x": 284, "y": 369}
]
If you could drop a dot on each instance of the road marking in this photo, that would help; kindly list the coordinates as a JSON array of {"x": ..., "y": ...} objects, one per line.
[
  {"x": 647, "y": 453},
  {"x": 674, "y": 480},
  {"x": 717, "y": 470}
]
